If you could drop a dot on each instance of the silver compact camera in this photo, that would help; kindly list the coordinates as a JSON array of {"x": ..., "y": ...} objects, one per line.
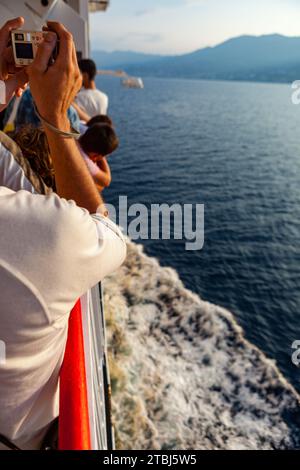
[{"x": 25, "y": 45}]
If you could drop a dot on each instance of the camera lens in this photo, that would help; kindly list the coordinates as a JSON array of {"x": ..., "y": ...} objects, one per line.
[
  {"x": 19, "y": 37},
  {"x": 45, "y": 3}
]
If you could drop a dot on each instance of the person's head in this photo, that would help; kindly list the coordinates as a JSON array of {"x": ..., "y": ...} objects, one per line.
[
  {"x": 88, "y": 71},
  {"x": 100, "y": 140},
  {"x": 35, "y": 148},
  {"x": 100, "y": 119}
]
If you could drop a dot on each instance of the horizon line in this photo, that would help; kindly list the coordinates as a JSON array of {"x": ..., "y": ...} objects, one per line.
[{"x": 195, "y": 50}]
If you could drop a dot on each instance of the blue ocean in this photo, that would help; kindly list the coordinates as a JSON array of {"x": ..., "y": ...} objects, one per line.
[{"x": 234, "y": 147}]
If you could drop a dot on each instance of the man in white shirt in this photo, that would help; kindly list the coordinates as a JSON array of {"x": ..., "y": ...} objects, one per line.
[
  {"x": 92, "y": 101},
  {"x": 51, "y": 249}
]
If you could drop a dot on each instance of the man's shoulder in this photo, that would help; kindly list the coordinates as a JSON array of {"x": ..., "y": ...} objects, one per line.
[
  {"x": 102, "y": 96},
  {"x": 82, "y": 92},
  {"x": 83, "y": 95},
  {"x": 92, "y": 93},
  {"x": 6, "y": 191},
  {"x": 100, "y": 93},
  {"x": 52, "y": 217},
  {"x": 39, "y": 206}
]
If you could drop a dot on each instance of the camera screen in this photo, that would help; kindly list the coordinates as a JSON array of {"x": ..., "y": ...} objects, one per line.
[
  {"x": 19, "y": 37},
  {"x": 24, "y": 51}
]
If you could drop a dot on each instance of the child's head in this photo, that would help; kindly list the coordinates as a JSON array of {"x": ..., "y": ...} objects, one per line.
[
  {"x": 100, "y": 119},
  {"x": 100, "y": 140}
]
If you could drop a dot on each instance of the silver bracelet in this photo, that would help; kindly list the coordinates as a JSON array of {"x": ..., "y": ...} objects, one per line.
[{"x": 65, "y": 135}]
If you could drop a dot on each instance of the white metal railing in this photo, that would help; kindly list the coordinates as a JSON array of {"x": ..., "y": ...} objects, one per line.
[{"x": 97, "y": 371}]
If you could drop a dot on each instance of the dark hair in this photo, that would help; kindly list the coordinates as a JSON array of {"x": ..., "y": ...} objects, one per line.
[
  {"x": 100, "y": 119},
  {"x": 35, "y": 148},
  {"x": 100, "y": 139},
  {"x": 88, "y": 66}
]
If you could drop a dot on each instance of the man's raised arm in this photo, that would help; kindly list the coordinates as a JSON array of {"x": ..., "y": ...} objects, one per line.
[{"x": 54, "y": 88}]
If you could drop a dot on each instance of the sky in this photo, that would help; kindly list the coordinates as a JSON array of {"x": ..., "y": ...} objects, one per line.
[{"x": 180, "y": 26}]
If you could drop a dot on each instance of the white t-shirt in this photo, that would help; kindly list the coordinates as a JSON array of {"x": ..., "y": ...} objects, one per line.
[
  {"x": 93, "y": 102},
  {"x": 51, "y": 253}
]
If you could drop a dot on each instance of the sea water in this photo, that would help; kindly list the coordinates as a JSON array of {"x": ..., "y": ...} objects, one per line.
[{"x": 234, "y": 147}]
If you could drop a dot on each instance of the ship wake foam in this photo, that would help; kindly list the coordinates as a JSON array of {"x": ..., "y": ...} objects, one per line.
[{"x": 183, "y": 375}]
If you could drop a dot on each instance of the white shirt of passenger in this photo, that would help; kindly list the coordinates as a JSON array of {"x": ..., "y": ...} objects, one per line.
[
  {"x": 51, "y": 253},
  {"x": 93, "y": 102}
]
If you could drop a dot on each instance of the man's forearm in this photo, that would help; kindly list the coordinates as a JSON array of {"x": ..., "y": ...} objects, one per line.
[
  {"x": 73, "y": 180},
  {"x": 54, "y": 89}
]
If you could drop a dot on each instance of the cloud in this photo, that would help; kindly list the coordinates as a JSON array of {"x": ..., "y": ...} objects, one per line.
[
  {"x": 169, "y": 5},
  {"x": 194, "y": 2},
  {"x": 146, "y": 11},
  {"x": 141, "y": 37}
]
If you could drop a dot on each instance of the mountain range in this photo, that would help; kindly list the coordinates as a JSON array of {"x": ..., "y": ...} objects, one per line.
[{"x": 268, "y": 58}]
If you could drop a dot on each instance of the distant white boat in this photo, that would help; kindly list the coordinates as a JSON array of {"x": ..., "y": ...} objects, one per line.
[{"x": 133, "y": 82}]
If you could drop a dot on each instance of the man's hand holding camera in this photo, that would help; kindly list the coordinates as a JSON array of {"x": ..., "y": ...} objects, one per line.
[
  {"x": 15, "y": 79},
  {"x": 54, "y": 87}
]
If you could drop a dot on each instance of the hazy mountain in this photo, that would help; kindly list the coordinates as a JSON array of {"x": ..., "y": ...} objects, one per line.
[
  {"x": 272, "y": 58},
  {"x": 120, "y": 58}
]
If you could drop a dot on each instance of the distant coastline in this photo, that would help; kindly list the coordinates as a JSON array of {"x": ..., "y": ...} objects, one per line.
[
  {"x": 117, "y": 74},
  {"x": 268, "y": 59}
]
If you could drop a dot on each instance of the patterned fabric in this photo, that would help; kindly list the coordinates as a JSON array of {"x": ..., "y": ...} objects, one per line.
[{"x": 27, "y": 115}]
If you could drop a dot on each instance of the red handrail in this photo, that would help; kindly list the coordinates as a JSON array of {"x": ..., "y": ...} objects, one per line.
[{"x": 74, "y": 427}]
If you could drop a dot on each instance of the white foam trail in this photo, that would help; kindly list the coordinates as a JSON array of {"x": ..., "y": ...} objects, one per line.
[{"x": 185, "y": 376}]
